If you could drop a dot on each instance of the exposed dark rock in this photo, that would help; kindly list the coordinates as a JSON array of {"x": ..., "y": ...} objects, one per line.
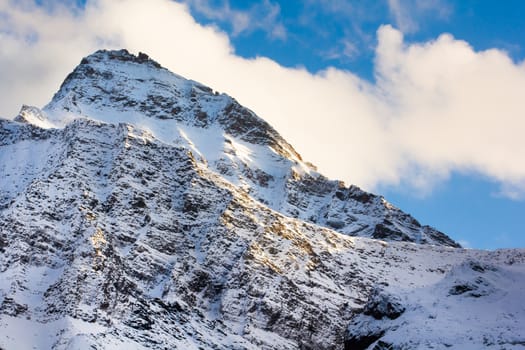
[
  {"x": 440, "y": 237},
  {"x": 363, "y": 331},
  {"x": 336, "y": 224},
  {"x": 359, "y": 195},
  {"x": 10, "y": 307},
  {"x": 139, "y": 203},
  {"x": 381, "y": 304},
  {"x": 462, "y": 288},
  {"x": 241, "y": 122},
  {"x": 362, "y": 341},
  {"x": 382, "y": 345},
  {"x": 3, "y": 244},
  {"x": 384, "y": 231}
]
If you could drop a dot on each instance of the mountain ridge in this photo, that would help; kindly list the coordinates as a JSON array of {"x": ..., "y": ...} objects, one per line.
[
  {"x": 103, "y": 80},
  {"x": 119, "y": 229}
]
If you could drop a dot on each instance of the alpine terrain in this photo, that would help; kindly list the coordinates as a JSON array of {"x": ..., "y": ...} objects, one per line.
[{"x": 142, "y": 210}]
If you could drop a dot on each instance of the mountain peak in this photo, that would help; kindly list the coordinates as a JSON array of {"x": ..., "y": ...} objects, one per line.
[
  {"x": 33, "y": 115},
  {"x": 122, "y": 55},
  {"x": 115, "y": 78},
  {"x": 228, "y": 138},
  {"x": 117, "y": 86}
]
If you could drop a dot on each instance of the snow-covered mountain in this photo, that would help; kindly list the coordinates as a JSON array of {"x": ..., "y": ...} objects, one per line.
[
  {"x": 139, "y": 209},
  {"x": 227, "y": 138}
]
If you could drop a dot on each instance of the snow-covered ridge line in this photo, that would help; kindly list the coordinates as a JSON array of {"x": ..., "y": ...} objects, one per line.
[{"x": 116, "y": 87}]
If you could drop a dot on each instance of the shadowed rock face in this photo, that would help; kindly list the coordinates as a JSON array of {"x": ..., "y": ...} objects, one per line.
[
  {"x": 143, "y": 235},
  {"x": 380, "y": 305}
]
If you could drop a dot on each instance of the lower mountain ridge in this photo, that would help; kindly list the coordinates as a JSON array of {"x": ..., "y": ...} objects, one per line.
[{"x": 141, "y": 210}]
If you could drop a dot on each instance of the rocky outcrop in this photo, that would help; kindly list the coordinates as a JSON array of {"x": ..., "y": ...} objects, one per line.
[{"x": 362, "y": 332}]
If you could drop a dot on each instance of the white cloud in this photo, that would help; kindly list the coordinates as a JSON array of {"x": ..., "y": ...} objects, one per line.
[
  {"x": 453, "y": 108},
  {"x": 437, "y": 107}
]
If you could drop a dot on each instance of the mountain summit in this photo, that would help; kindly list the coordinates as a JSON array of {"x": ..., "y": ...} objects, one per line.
[
  {"x": 229, "y": 139},
  {"x": 139, "y": 209}
]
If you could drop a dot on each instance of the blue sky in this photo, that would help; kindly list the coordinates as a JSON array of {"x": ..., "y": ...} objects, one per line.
[{"x": 372, "y": 92}]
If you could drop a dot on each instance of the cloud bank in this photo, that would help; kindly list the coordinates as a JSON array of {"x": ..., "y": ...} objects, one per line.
[{"x": 435, "y": 108}]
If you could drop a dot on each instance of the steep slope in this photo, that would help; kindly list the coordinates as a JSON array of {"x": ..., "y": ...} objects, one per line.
[
  {"x": 115, "y": 86},
  {"x": 160, "y": 234},
  {"x": 475, "y": 306}
]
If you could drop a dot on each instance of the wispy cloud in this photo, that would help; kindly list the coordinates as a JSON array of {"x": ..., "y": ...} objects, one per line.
[
  {"x": 346, "y": 50},
  {"x": 408, "y": 14},
  {"x": 436, "y": 107},
  {"x": 442, "y": 9},
  {"x": 340, "y": 23},
  {"x": 401, "y": 13},
  {"x": 338, "y": 7},
  {"x": 513, "y": 189},
  {"x": 263, "y": 15}
]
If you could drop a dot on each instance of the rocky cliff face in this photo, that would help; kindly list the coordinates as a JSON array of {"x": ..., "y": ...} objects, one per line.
[
  {"x": 143, "y": 210},
  {"x": 115, "y": 86}
]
